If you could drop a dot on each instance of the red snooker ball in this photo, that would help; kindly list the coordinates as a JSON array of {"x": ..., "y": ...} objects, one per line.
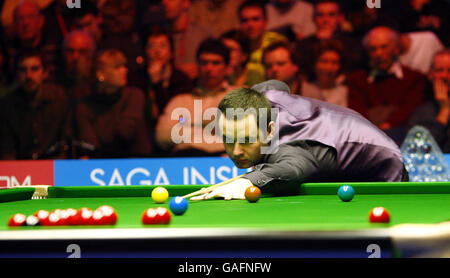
[
  {"x": 150, "y": 217},
  {"x": 155, "y": 216},
  {"x": 17, "y": 219},
  {"x": 42, "y": 215},
  {"x": 164, "y": 215},
  {"x": 252, "y": 194},
  {"x": 379, "y": 215},
  {"x": 84, "y": 216}
]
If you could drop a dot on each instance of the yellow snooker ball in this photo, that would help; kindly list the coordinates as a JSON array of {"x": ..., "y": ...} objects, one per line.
[{"x": 160, "y": 195}]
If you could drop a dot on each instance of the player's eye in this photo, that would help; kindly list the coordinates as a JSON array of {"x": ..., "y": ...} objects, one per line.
[{"x": 228, "y": 140}]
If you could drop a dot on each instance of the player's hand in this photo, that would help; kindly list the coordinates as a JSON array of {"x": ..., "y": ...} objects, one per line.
[{"x": 232, "y": 190}]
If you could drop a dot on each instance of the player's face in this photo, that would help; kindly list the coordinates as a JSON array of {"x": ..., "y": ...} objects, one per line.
[
  {"x": 158, "y": 49},
  {"x": 441, "y": 68},
  {"x": 31, "y": 74},
  {"x": 242, "y": 140},
  {"x": 327, "y": 16},
  {"x": 212, "y": 70},
  {"x": 253, "y": 22},
  {"x": 327, "y": 67},
  {"x": 382, "y": 50},
  {"x": 279, "y": 65}
]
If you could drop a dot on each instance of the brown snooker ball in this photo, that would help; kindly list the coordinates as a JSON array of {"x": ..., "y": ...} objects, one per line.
[{"x": 252, "y": 194}]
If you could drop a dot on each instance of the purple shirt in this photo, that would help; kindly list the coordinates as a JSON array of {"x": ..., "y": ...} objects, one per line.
[{"x": 363, "y": 151}]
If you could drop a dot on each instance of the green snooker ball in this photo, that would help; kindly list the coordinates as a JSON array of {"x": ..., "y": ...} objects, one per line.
[{"x": 346, "y": 193}]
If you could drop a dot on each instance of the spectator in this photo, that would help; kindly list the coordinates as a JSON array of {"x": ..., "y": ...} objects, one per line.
[
  {"x": 362, "y": 18},
  {"x": 279, "y": 65},
  {"x": 253, "y": 23},
  {"x": 78, "y": 51},
  {"x": 7, "y": 12},
  {"x": 238, "y": 58},
  {"x": 111, "y": 118},
  {"x": 164, "y": 80},
  {"x": 119, "y": 22},
  {"x": 292, "y": 18},
  {"x": 186, "y": 35},
  {"x": 435, "y": 114},
  {"x": 327, "y": 81},
  {"x": 29, "y": 35},
  {"x": 329, "y": 18},
  {"x": 218, "y": 15},
  {"x": 88, "y": 19},
  {"x": 213, "y": 58},
  {"x": 33, "y": 117},
  {"x": 418, "y": 49},
  {"x": 388, "y": 92},
  {"x": 425, "y": 15}
]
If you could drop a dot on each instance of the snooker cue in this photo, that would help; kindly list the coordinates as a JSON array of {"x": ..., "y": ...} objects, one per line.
[{"x": 211, "y": 188}]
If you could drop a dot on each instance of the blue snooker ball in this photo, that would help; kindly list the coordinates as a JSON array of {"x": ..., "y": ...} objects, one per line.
[
  {"x": 178, "y": 205},
  {"x": 346, "y": 193}
]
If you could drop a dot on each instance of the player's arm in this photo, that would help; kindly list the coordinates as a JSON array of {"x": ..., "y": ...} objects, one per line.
[{"x": 283, "y": 171}]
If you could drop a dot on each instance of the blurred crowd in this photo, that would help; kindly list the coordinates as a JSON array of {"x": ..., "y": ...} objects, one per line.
[{"x": 118, "y": 78}]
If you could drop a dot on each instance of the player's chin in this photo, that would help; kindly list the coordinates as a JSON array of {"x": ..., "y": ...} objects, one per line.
[{"x": 242, "y": 163}]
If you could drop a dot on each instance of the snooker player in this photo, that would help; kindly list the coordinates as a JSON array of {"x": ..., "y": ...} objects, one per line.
[{"x": 316, "y": 142}]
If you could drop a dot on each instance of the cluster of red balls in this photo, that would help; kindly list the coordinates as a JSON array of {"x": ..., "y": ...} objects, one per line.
[
  {"x": 155, "y": 216},
  {"x": 104, "y": 215}
]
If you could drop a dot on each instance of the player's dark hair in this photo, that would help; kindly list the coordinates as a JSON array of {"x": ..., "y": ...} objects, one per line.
[
  {"x": 253, "y": 3},
  {"x": 247, "y": 100},
  {"x": 214, "y": 46}
]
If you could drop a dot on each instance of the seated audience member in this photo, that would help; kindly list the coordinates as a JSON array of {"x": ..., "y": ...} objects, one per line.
[
  {"x": 186, "y": 35},
  {"x": 279, "y": 65},
  {"x": 425, "y": 15},
  {"x": 238, "y": 58},
  {"x": 29, "y": 35},
  {"x": 164, "y": 79},
  {"x": 253, "y": 22},
  {"x": 218, "y": 15},
  {"x": 292, "y": 18},
  {"x": 111, "y": 118},
  {"x": 387, "y": 93},
  {"x": 435, "y": 114},
  {"x": 362, "y": 18},
  {"x": 120, "y": 32},
  {"x": 329, "y": 18},
  {"x": 78, "y": 55},
  {"x": 417, "y": 50},
  {"x": 7, "y": 12},
  {"x": 33, "y": 117},
  {"x": 88, "y": 19},
  {"x": 326, "y": 81},
  {"x": 180, "y": 128}
]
